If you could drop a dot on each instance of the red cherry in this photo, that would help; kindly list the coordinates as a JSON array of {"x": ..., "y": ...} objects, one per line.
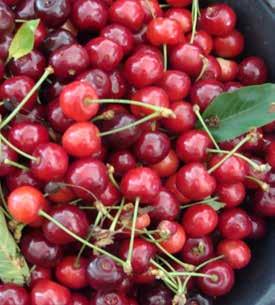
[
  {"x": 40, "y": 273},
  {"x": 122, "y": 161},
  {"x": 12, "y": 294},
  {"x": 24, "y": 204},
  {"x": 264, "y": 203},
  {"x": 259, "y": 227},
  {"x": 151, "y": 10},
  {"x": 167, "y": 166},
  {"x": 212, "y": 69},
  {"x": 231, "y": 194},
  {"x": 118, "y": 85},
  {"x": 202, "y": 40},
  {"x": 229, "y": 70},
  {"x": 58, "y": 193},
  {"x": 110, "y": 196},
  {"x": 172, "y": 187},
  {"x": 183, "y": 16},
  {"x": 40, "y": 34},
  {"x": 108, "y": 297}
]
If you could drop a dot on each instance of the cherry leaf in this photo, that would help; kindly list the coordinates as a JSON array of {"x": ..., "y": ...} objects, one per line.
[
  {"x": 23, "y": 41},
  {"x": 216, "y": 205}
]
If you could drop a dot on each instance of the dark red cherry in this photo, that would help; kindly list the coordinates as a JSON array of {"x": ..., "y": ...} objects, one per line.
[
  {"x": 157, "y": 294},
  {"x": 259, "y": 227},
  {"x": 108, "y": 298},
  {"x": 140, "y": 182},
  {"x": 198, "y": 299},
  {"x": 69, "y": 216},
  {"x": 231, "y": 194},
  {"x": 171, "y": 185},
  {"x": 87, "y": 176},
  {"x": 40, "y": 273},
  {"x": 89, "y": 15},
  {"x": 118, "y": 85},
  {"x": 167, "y": 166},
  {"x": 264, "y": 203},
  {"x": 222, "y": 282},
  {"x": 7, "y": 154},
  {"x": 25, "y": 9},
  {"x": 5, "y": 42},
  {"x": 182, "y": 16},
  {"x": 110, "y": 196},
  {"x": 40, "y": 34},
  {"x": 203, "y": 40},
  {"x": 212, "y": 69},
  {"x": 7, "y": 19},
  {"x": 12, "y": 294},
  {"x": 229, "y": 70},
  {"x": 79, "y": 299},
  {"x": 122, "y": 161},
  {"x": 45, "y": 292},
  {"x": 39, "y": 251},
  {"x": 53, "y": 12}
]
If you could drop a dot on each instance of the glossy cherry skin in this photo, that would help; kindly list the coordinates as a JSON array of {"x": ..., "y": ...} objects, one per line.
[
  {"x": 259, "y": 227},
  {"x": 194, "y": 181},
  {"x": 223, "y": 284},
  {"x": 103, "y": 273},
  {"x": 236, "y": 253},
  {"x": 203, "y": 92},
  {"x": 69, "y": 216},
  {"x": 52, "y": 13},
  {"x": 167, "y": 166},
  {"x": 19, "y": 178},
  {"x": 185, "y": 118},
  {"x": 187, "y": 58},
  {"x": 7, "y": 19},
  {"x": 229, "y": 70},
  {"x": 128, "y": 13},
  {"x": 143, "y": 252},
  {"x": 69, "y": 61},
  {"x": 40, "y": 34},
  {"x": 143, "y": 68},
  {"x": 231, "y": 194},
  {"x": 140, "y": 182},
  {"x": 252, "y": 71},
  {"x": 12, "y": 294},
  {"x": 197, "y": 250},
  {"x": 90, "y": 15},
  {"x": 26, "y": 136},
  {"x": 25, "y": 202},
  {"x": 73, "y": 99},
  {"x": 79, "y": 299},
  {"x": 176, "y": 84},
  {"x": 40, "y": 273},
  {"x": 25, "y": 9},
  {"x": 192, "y": 146},
  {"x": 122, "y": 161},
  {"x": 70, "y": 274},
  {"x": 203, "y": 40},
  {"x": 47, "y": 292},
  {"x": 234, "y": 224},
  {"x": 57, "y": 39},
  {"x": 7, "y": 154},
  {"x": 218, "y": 19},
  {"x": 182, "y": 16},
  {"x": 156, "y": 294},
  {"x": 88, "y": 176},
  {"x": 264, "y": 203},
  {"x": 51, "y": 162},
  {"x": 104, "y": 53},
  {"x": 118, "y": 85},
  {"x": 58, "y": 193},
  {"x": 199, "y": 220},
  {"x": 229, "y": 46},
  {"x": 39, "y": 251},
  {"x": 233, "y": 170},
  {"x": 154, "y": 8},
  {"x": 109, "y": 298}
]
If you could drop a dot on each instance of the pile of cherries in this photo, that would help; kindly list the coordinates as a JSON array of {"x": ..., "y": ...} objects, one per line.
[{"x": 102, "y": 164}]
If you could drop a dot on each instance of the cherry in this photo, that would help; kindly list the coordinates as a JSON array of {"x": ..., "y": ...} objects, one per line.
[
  {"x": 192, "y": 146},
  {"x": 197, "y": 250},
  {"x": 25, "y": 202},
  {"x": 51, "y": 91},
  {"x": 12, "y": 294},
  {"x": 194, "y": 181},
  {"x": 7, "y": 19},
  {"x": 233, "y": 170},
  {"x": 212, "y": 69},
  {"x": 89, "y": 15},
  {"x": 25, "y": 9},
  {"x": 156, "y": 294},
  {"x": 68, "y": 61},
  {"x": 231, "y": 194},
  {"x": 119, "y": 34},
  {"x": 203, "y": 40},
  {"x": 143, "y": 252},
  {"x": 129, "y": 13},
  {"x": 270, "y": 154},
  {"x": 236, "y": 253},
  {"x": 72, "y": 101},
  {"x": 122, "y": 161},
  {"x": 203, "y": 92},
  {"x": 88, "y": 176},
  {"x": 174, "y": 236},
  {"x": 218, "y": 19},
  {"x": 234, "y": 224},
  {"x": 140, "y": 182},
  {"x": 229, "y": 46},
  {"x": 199, "y": 220},
  {"x": 47, "y": 292},
  {"x": 26, "y": 136},
  {"x": 58, "y": 193},
  {"x": 176, "y": 84},
  {"x": 118, "y": 85},
  {"x": 7, "y": 154},
  {"x": 264, "y": 203},
  {"x": 69, "y": 216},
  {"x": 79, "y": 299},
  {"x": 108, "y": 298},
  {"x": 198, "y": 299},
  {"x": 53, "y": 13},
  {"x": 152, "y": 10},
  {"x": 57, "y": 39},
  {"x": 104, "y": 53},
  {"x": 182, "y": 16},
  {"x": 39, "y": 251},
  {"x": 167, "y": 166},
  {"x": 229, "y": 70},
  {"x": 103, "y": 273},
  {"x": 252, "y": 71},
  {"x": 223, "y": 282},
  {"x": 258, "y": 227},
  {"x": 40, "y": 273},
  {"x": 40, "y": 34},
  {"x": 72, "y": 273},
  {"x": 143, "y": 68},
  {"x": 187, "y": 58},
  {"x": 185, "y": 118},
  {"x": 14, "y": 89}
]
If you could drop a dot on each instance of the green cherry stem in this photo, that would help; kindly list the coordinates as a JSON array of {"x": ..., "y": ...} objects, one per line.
[
  {"x": 162, "y": 273},
  {"x": 15, "y": 164},
  {"x": 111, "y": 171},
  {"x": 48, "y": 71},
  {"x": 192, "y": 274},
  {"x": 116, "y": 218},
  {"x": 106, "y": 115},
  {"x": 206, "y": 201},
  {"x": 195, "y": 14},
  {"x": 165, "y": 57}
]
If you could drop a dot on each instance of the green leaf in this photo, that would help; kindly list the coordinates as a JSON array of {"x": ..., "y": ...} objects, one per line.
[
  {"x": 13, "y": 267},
  {"x": 23, "y": 41},
  {"x": 233, "y": 114}
]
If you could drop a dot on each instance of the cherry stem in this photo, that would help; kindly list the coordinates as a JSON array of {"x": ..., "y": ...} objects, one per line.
[
  {"x": 80, "y": 239},
  {"x": 163, "y": 274},
  {"x": 204, "y": 68},
  {"x": 264, "y": 186},
  {"x": 164, "y": 5},
  {"x": 196, "y": 110},
  {"x": 150, "y": 8},
  {"x": 106, "y": 115},
  {"x": 128, "y": 264},
  {"x": 162, "y": 111},
  {"x": 165, "y": 57},
  {"x": 136, "y": 123},
  {"x": 48, "y": 71},
  {"x": 111, "y": 171},
  {"x": 20, "y": 152},
  {"x": 206, "y": 201},
  {"x": 195, "y": 14},
  {"x": 15, "y": 164},
  {"x": 193, "y": 274},
  {"x": 116, "y": 218},
  {"x": 80, "y": 188},
  {"x": 231, "y": 153}
]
